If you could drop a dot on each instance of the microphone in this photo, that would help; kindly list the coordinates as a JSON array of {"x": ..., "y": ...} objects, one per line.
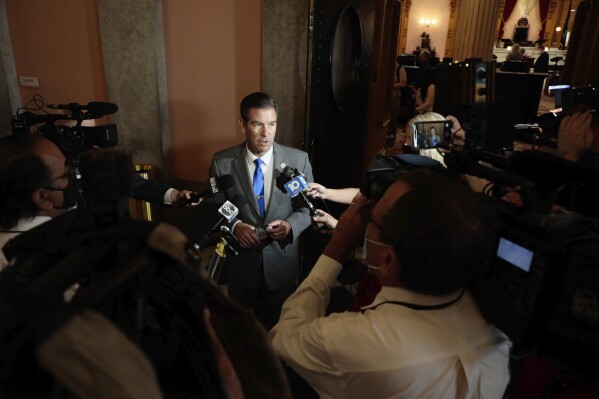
[
  {"x": 94, "y": 107},
  {"x": 293, "y": 182},
  {"x": 296, "y": 186},
  {"x": 228, "y": 212},
  {"x": 216, "y": 185}
]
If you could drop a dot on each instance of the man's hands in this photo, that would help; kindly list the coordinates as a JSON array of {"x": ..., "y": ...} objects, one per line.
[
  {"x": 246, "y": 233},
  {"x": 575, "y": 136},
  {"x": 340, "y": 195},
  {"x": 278, "y": 229}
]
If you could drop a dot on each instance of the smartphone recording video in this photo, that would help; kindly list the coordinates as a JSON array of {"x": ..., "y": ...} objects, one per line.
[{"x": 431, "y": 134}]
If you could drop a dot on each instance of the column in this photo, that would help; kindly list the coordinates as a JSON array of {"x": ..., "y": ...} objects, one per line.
[{"x": 133, "y": 51}]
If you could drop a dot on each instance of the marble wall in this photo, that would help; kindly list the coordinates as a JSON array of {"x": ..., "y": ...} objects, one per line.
[
  {"x": 132, "y": 47},
  {"x": 284, "y": 64}
]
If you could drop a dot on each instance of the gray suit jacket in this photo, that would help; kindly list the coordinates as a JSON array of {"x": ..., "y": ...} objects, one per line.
[{"x": 280, "y": 259}]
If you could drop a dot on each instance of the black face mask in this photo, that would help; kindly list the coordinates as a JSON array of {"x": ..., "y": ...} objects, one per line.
[{"x": 69, "y": 194}]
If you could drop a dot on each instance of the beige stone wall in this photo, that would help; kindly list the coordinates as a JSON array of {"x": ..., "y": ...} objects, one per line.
[
  {"x": 130, "y": 34},
  {"x": 284, "y": 71}
]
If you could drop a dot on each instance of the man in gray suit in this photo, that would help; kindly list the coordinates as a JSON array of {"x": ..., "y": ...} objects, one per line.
[{"x": 268, "y": 226}]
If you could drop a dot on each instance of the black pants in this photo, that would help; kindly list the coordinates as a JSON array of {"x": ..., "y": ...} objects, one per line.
[{"x": 266, "y": 304}]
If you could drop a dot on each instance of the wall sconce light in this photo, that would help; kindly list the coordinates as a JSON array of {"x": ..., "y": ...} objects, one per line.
[
  {"x": 428, "y": 22},
  {"x": 558, "y": 28}
]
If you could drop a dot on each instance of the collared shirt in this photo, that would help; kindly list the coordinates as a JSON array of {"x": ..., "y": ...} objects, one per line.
[
  {"x": 389, "y": 350},
  {"x": 22, "y": 226},
  {"x": 267, "y": 170}
]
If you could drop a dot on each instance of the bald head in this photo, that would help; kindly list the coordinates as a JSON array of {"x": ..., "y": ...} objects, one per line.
[
  {"x": 51, "y": 155},
  {"x": 32, "y": 175}
]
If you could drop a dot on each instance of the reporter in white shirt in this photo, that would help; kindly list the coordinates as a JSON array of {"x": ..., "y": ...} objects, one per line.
[{"x": 423, "y": 336}]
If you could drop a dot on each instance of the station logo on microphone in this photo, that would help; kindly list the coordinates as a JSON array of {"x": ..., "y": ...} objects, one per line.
[{"x": 296, "y": 185}]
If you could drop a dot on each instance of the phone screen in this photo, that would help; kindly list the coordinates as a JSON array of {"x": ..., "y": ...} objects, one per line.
[{"x": 431, "y": 134}]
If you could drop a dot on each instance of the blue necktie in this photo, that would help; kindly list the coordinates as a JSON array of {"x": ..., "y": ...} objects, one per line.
[{"x": 259, "y": 185}]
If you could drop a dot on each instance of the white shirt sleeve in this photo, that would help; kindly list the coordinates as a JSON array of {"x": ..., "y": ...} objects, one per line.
[
  {"x": 167, "y": 197},
  {"x": 298, "y": 336}
]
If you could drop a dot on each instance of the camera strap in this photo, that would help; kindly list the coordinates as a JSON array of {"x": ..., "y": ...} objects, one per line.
[{"x": 421, "y": 307}]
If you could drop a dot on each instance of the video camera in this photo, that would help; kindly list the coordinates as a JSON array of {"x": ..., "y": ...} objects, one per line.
[
  {"x": 71, "y": 139},
  {"x": 566, "y": 97},
  {"x": 539, "y": 283}
]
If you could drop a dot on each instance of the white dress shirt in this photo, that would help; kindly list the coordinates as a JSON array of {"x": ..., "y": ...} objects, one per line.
[{"x": 390, "y": 351}]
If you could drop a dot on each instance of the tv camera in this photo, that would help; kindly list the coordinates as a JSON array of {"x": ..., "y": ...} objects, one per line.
[
  {"x": 71, "y": 139},
  {"x": 540, "y": 283}
]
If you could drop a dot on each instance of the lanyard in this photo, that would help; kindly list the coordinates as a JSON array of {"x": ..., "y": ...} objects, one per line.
[{"x": 421, "y": 307}]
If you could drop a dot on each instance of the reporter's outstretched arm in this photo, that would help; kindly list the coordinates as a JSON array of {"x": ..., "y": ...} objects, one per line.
[{"x": 341, "y": 195}]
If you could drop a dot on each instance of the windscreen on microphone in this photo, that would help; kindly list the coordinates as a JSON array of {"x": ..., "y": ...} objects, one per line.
[
  {"x": 226, "y": 182},
  {"x": 280, "y": 180},
  {"x": 101, "y": 108},
  {"x": 239, "y": 200},
  {"x": 214, "y": 193},
  {"x": 288, "y": 173}
]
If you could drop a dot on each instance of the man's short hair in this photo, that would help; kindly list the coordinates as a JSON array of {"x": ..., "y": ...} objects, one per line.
[
  {"x": 21, "y": 173},
  {"x": 256, "y": 100},
  {"x": 441, "y": 232}
]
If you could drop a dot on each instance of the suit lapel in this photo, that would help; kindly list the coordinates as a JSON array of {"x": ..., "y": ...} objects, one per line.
[
  {"x": 276, "y": 160},
  {"x": 242, "y": 176}
]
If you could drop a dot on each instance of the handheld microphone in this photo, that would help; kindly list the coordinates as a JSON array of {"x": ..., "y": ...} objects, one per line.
[
  {"x": 296, "y": 186},
  {"x": 228, "y": 212},
  {"x": 293, "y": 182},
  {"x": 94, "y": 107},
  {"x": 216, "y": 185}
]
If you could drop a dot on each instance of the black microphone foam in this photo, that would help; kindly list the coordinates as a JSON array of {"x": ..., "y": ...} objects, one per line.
[
  {"x": 239, "y": 200},
  {"x": 92, "y": 108},
  {"x": 288, "y": 173},
  {"x": 283, "y": 177},
  {"x": 101, "y": 108},
  {"x": 215, "y": 190},
  {"x": 226, "y": 182}
]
